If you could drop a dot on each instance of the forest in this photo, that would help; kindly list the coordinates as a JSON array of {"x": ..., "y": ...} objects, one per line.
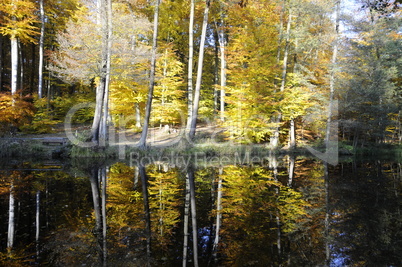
[{"x": 272, "y": 72}]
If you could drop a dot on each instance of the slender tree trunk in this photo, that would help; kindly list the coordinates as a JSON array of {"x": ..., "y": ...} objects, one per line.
[
  {"x": 137, "y": 115},
  {"x": 197, "y": 93},
  {"x": 190, "y": 64},
  {"x": 190, "y": 174},
  {"x": 144, "y": 182},
  {"x": 216, "y": 70},
  {"x": 14, "y": 64},
  {"x": 274, "y": 141},
  {"x": 96, "y": 199},
  {"x": 185, "y": 223},
  {"x": 37, "y": 217},
  {"x": 142, "y": 142},
  {"x": 1, "y": 62},
  {"x": 41, "y": 48},
  {"x": 332, "y": 74},
  {"x": 218, "y": 215},
  {"x": 222, "y": 45},
  {"x": 11, "y": 219},
  {"x": 104, "y": 215},
  {"x": 20, "y": 83}
]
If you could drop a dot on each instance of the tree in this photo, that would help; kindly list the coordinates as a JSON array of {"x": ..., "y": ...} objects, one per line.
[
  {"x": 17, "y": 22},
  {"x": 142, "y": 142},
  {"x": 194, "y": 115}
]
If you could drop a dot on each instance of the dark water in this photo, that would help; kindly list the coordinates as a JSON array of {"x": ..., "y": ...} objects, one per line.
[{"x": 277, "y": 212}]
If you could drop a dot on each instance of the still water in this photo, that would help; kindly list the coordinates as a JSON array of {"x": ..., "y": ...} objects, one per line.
[{"x": 280, "y": 211}]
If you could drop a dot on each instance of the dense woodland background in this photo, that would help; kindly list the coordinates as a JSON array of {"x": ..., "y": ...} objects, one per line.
[{"x": 267, "y": 71}]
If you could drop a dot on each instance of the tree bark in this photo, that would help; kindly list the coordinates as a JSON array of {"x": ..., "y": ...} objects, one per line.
[
  {"x": 274, "y": 140},
  {"x": 332, "y": 74},
  {"x": 197, "y": 93},
  {"x": 190, "y": 174},
  {"x": 41, "y": 48},
  {"x": 190, "y": 64},
  {"x": 222, "y": 44},
  {"x": 142, "y": 142},
  {"x": 14, "y": 64}
]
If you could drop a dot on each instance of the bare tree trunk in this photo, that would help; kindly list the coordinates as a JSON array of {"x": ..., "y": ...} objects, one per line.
[
  {"x": 137, "y": 115},
  {"x": 142, "y": 142},
  {"x": 190, "y": 64},
  {"x": 1, "y": 62},
  {"x": 41, "y": 48},
  {"x": 144, "y": 181},
  {"x": 190, "y": 174},
  {"x": 96, "y": 198},
  {"x": 332, "y": 73},
  {"x": 222, "y": 44},
  {"x": 185, "y": 223},
  {"x": 11, "y": 219},
  {"x": 218, "y": 215},
  {"x": 197, "y": 94},
  {"x": 14, "y": 64},
  {"x": 274, "y": 140}
]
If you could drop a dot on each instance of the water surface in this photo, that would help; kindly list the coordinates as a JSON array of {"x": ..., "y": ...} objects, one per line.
[{"x": 279, "y": 211}]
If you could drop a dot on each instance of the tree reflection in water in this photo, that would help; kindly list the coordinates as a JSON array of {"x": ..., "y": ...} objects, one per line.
[{"x": 290, "y": 212}]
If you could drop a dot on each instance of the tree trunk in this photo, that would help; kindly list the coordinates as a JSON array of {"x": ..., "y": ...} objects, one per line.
[
  {"x": 190, "y": 174},
  {"x": 1, "y": 62},
  {"x": 142, "y": 142},
  {"x": 14, "y": 64},
  {"x": 222, "y": 44},
  {"x": 190, "y": 64},
  {"x": 274, "y": 140},
  {"x": 144, "y": 182},
  {"x": 185, "y": 222},
  {"x": 218, "y": 214},
  {"x": 197, "y": 94},
  {"x": 332, "y": 75},
  {"x": 11, "y": 217},
  {"x": 99, "y": 131},
  {"x": 41, "y": 48},
  {"x": 137, "y": 115}
]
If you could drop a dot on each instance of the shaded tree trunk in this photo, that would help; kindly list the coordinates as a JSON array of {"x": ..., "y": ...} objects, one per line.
[
  {"x": 41, "y": 48},
  {"x": 142, "y": 142},
  {"x": 144, "y": 182}
]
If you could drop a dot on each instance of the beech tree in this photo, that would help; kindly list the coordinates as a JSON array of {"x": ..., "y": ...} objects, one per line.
[{"x": 18, "y": 23}]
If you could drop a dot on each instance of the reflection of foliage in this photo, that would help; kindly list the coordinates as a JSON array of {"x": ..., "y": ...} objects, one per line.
[
  {"x": 252, "y": 201},
  {"x": 163, "y": 202},
  {"x": 124, "y": 203}
]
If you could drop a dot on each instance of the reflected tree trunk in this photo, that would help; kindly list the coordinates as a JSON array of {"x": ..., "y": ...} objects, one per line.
[
  {"x": 291, "y": 170},
  {"x": 190, "y": 177},
  {"x": 186, "y": 215},
  {"x": 218, "y": 214},
  {"x": 11, "y": 219},
  {"x": 96, "y": 199},
  {"x": 144, "y": 182},
  {"x": 104, "y": 215},
  {"x": 37, "y": 222},
  {"x": 327, "y": 218}
]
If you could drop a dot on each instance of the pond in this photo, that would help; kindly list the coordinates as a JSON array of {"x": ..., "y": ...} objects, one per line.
[{"x": 278, "y": 211}]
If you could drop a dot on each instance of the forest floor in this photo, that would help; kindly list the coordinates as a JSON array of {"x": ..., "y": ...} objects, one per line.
[{"x": 157, "y": 136}]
